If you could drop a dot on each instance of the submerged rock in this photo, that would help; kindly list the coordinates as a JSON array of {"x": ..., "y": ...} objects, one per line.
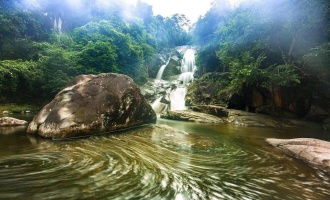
[
  {"x": 10, "y": 121},
  {"x": 312, "y": 151},
  {"x": 92, "y": 104}
]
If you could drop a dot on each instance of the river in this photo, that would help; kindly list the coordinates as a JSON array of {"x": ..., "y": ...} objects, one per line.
[{"x": 210, "y": 162}]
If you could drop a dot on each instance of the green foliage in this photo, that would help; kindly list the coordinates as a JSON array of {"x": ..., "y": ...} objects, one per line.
[
  {"x": 317, "y": 61},
  {"x": 98, "y": 57},
  {"x": 18, "y": 80},
  {"x": 91, "y": 39},
  {"x": 216, "y": 77},
  {"x": 207, "y": 60},
  {"x": 19, "y": 28},
  {"x": 282, "y": 75},
  {"x": 265, "y": 43},
  {"x": 57, "y": 68}
]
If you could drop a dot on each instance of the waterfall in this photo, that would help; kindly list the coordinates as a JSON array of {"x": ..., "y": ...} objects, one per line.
[
  {"x": 188, "y": 62},
  {"x": 188, "y": 68},
  {"x": 58, "y": 24},
  {"x": 157, "y": 106},
  {"x": 177, "y": 98},
  {"x": 171, "y": 93},
  {"x": 161, "y": 70}
]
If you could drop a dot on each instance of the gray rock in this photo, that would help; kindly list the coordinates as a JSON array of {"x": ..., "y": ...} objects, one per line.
[
  {"x": 10, "y": 121},
  {"x": 243, "y": 118},
  {"x": 312, "y": 151},
  {"x": 92, "y": 104},
  {"x": 219, "y": 114},
  {"x": 185, "y": 115},
  {"x": 218, "y": 111}
]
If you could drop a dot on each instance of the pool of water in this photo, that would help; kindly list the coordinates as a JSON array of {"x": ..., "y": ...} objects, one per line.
[{"x": 204, "y": 162}]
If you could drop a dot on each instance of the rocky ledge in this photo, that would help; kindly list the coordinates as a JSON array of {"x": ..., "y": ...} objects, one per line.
[
  {"x": 313, "y": 151},
  {"x": 191, "y": 116},
  {"x": 220, "y": 115},
  {"x": 10, "y": 121}
]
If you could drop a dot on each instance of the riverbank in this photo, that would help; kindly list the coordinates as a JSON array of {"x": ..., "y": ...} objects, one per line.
[{"x": 19, "y": 108}]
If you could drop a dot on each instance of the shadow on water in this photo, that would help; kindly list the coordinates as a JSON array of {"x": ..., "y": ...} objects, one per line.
[{"x": 158, "y": 162}]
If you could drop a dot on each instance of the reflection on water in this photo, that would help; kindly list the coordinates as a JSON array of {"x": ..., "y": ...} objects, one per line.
[{"x": 199, "y": 162}]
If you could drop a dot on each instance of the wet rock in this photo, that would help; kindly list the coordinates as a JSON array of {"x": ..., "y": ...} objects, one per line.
[
  {"x": 153, "y": 89},
  {"x": 185, "y": 115},
  {"x": 243, "y": 118},
  {"x": 204, "y": 93},
  {"x": 10, "y": 121},
  {"x": 218, "y": 111},
  {"x": 275, "y": 111},
  {"x": 219, "y": 114},
  {"x": 316, "y": 113},
  {"x": 313, "y": 151},
  {"x": 92, "y": 104}
]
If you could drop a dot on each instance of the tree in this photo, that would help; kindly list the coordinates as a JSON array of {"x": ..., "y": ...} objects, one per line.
[
  {"x": 57, "y": 69},
  {"x": 98, "y": 57}
]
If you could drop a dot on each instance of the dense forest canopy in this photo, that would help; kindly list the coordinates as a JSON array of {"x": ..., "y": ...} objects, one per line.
[
  {"x": 262, "y": 43},
  {"x": 44, "y": 44},
  {"x": 260, "y": 38}
]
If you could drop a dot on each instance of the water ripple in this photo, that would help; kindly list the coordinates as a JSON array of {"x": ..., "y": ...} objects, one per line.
[{"x": 155, "y": 163}]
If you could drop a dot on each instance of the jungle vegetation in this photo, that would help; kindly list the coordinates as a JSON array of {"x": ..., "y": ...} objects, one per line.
[{"x": 260, "y": 43}]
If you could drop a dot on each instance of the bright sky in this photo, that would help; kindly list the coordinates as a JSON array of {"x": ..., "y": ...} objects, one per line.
[{"x": 192, "y": 9}]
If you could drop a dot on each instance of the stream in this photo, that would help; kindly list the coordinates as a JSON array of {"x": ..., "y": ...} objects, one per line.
[{"x": 206, "y": 162}]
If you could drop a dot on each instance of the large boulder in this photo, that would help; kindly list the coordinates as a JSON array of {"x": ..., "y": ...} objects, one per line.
[
  {"x": 10, "y": 121},
  {"x": 312, "y": 151},
  {"x": 92, "y": 104}
]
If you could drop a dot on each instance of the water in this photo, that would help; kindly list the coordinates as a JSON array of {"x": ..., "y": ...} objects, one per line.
[
  {"x": 188, "y": 62},
  {"x": 158, "y": 106},
  {"x": 177, "y": 97},
  {"x": 188, "y": 67},
  {"x": 160, "y": 72},
  {"x": 186, "y": 77},
  {"x": 211, "y": 162}
]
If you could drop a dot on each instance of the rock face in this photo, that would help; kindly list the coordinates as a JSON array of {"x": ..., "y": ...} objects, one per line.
[
  {"x": 312, "y": 151},
  {"x": 291, "y": 102},
  {"x": 9, "y": 121},
  {"x": 92, "y": 104}
]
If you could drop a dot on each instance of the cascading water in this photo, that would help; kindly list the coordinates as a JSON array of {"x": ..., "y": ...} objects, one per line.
[
  {"x": 161, "y": 70},
  {"x": 58, "y": 24},
  {"x": 157, "y": 106},
  {"x": 176, "y": 97},
  {"x": 188, "y": 68}
]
